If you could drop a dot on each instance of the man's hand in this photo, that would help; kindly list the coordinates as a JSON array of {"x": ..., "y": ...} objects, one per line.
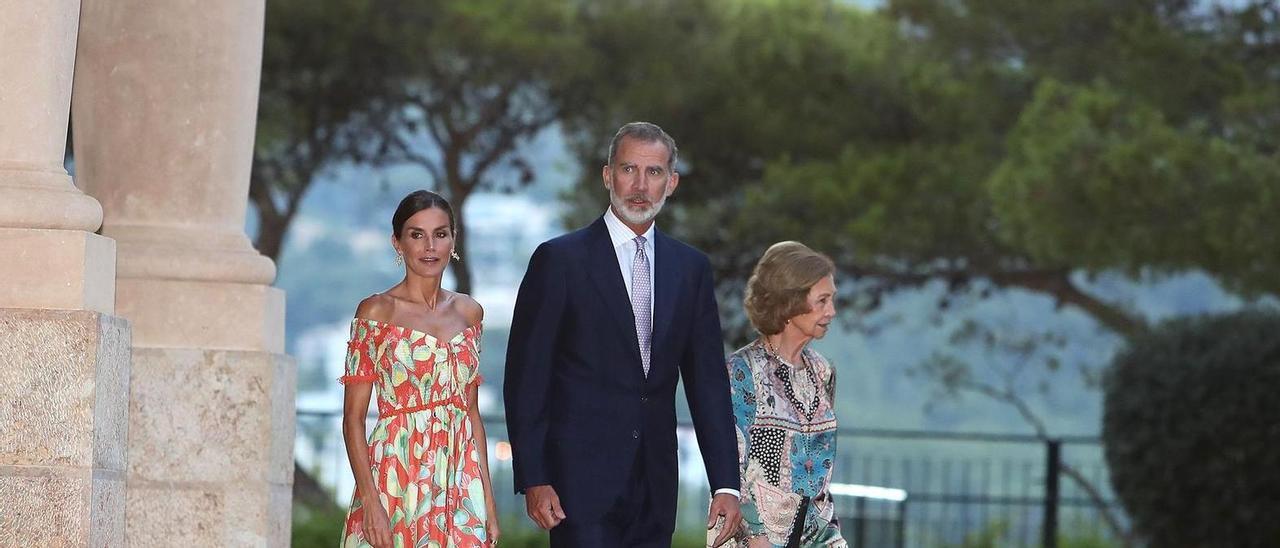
[
  {"x": 543, "y": 505},
  {"x": 726, "y": 506}
]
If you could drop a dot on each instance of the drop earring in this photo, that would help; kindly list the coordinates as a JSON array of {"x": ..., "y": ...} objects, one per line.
[
  {"x": 454, "y": 253},
  {"x": 399, "y": 259}
]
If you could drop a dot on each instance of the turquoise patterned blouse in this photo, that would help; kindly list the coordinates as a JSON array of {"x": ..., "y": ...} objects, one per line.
[{"x": 786, "y": 444}]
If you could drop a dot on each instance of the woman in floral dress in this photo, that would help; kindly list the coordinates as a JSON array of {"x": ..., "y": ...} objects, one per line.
[
  {"x": 422, "y": 475},
  {"x": 783, "y": 395}
]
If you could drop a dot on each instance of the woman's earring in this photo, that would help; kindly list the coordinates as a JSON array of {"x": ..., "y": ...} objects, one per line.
[
  {"x": 399, "y": 259},
  {"x": 454, "y": 253}
]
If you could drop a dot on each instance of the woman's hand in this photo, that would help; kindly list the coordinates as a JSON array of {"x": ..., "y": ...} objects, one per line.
[
  {"x": 491, "y": 525},
  {"x": 759, "y": 542},
  {"x": 377, "y": 527}
]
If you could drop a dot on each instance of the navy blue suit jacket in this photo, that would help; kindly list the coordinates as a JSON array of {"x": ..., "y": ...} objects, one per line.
[{"x": 580, "y": 410}]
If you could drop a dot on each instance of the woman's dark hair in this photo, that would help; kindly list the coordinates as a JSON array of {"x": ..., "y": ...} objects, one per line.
[{"x": 416, "y": 201}]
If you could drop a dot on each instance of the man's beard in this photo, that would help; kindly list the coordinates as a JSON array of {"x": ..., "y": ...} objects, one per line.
[{"x": 634, "y": 216}]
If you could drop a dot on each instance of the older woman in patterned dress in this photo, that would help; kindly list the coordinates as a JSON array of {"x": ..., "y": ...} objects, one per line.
[{"x": 783, "y": 396}]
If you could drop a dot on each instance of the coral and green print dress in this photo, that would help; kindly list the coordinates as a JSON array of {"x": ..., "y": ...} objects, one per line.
[{"x": 422, "y": 452}]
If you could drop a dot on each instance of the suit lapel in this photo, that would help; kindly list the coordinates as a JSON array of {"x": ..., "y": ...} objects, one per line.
[
  {"x": 607, "y": 277},
  {"x": 664, "y": 291}
]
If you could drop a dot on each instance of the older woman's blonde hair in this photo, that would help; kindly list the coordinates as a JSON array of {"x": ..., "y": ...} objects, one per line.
[{"x": 779, "y": 286}]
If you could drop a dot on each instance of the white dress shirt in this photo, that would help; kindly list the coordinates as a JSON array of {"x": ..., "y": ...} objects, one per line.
[{"x": 624, "y": 247}]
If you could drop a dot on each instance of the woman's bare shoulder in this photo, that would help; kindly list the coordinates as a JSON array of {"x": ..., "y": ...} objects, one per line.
[
  {"x": 469, "y": 308},
  {"x": 376, "y": 307}
]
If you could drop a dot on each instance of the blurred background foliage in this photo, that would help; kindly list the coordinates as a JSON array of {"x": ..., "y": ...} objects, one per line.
[{"x": 991, "y": 141}]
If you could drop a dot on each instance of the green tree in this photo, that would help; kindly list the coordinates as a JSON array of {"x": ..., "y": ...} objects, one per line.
[
  {"x": 742, "y": 86},
  {"x": 453, "y": 87},
  {"x": 957, "y": 141},
  {"x": 476, "y": 81},
  {"x": 324, "y": 100}
]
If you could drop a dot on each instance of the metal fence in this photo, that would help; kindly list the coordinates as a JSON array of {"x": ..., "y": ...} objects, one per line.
[{"x": 960, "y": 488}]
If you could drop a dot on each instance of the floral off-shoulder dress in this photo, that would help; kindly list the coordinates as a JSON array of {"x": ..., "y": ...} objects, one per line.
[{"x": 422, "y": 451}]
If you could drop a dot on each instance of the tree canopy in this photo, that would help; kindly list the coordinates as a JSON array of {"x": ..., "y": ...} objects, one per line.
[
  {"x": 452, "y": 87},
  {"x": 989, "y": 144},
  {"x": 986, "y": 144}
]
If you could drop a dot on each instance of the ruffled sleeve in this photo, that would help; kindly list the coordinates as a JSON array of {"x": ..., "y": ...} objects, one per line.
[
  {"x": 477, "y": 331},
  {"x": 361, "y": 354}
]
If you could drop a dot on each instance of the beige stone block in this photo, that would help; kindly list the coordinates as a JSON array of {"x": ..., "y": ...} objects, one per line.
[
  {"x": 210, "y": 429},
  {"x": 190, "y": 253},
  {"x": 63, "y": 400},
  {"x": 187, "y": 314},
  {"x": 63, "y": 389},
  {"x": 280, "y": 512},
  {"x": 52, "y": 507},
  {"x": 60, "y": 269},
  {"x": 107, "y": 510},
  {"x": 162, "y": 516},
  {"x": 283, "y": 420},
  {"x": 211, "y": 416},
  {"x": 234, "y": 514}
]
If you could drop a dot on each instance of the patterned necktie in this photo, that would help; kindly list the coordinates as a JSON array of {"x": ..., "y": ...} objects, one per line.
[{"x": 641, "y": 302}]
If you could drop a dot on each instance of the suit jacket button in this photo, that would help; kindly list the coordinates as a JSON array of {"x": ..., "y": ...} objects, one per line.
[
  {"x": 644, "y": 399},
  {"x": 635, "y": 434}
]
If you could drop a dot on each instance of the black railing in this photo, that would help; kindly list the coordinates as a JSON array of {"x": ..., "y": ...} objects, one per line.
[{"x": 955, "y": 489}]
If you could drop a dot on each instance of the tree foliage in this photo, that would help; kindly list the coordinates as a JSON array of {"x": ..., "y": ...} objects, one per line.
[
  {"x": 452, "y": 87},
  {"x": 325, "y": 100},
  {"x": 984, "y": 144},
  {"x": 1190, "y": 424},
  {"x": 475, "y": 81}
]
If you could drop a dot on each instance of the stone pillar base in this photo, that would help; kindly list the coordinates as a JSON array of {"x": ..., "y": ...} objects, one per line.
[
  {"x": 45, "y": 198},
  {"x": 188, "y": 314},
  {"x": 63, "y": 403},
  {"x": 60, "y": 269},
  {"x": 211, "y": 433}
]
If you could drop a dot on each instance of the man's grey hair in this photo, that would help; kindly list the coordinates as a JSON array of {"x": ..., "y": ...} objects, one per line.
[{"x": 646, "y": 132}]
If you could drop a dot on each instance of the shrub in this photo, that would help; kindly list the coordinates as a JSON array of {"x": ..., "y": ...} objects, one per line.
[{"x": 1191, "y": 422}]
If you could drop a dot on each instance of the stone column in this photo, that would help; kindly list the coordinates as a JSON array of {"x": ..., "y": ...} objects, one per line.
[
  {"x": 172, "y": 86},
  {"x": 64, "y": 358},
  {"x": 52, "y": 257}
]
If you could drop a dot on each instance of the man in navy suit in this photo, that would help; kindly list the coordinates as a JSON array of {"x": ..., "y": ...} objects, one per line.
[{"x": 606, "y": 320}]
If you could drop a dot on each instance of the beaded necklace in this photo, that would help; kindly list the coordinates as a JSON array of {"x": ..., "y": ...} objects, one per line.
[{"x": 784, "y": 374}]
